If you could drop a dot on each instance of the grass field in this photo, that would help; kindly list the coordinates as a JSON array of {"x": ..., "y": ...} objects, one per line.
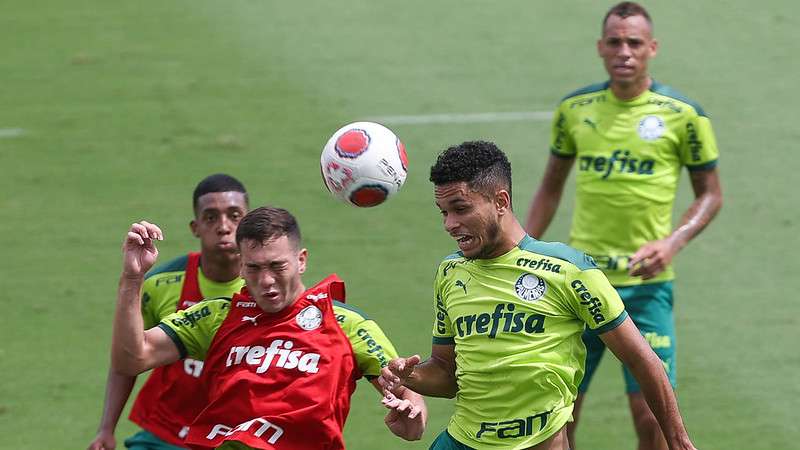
[{"x": 111, "y": 112}]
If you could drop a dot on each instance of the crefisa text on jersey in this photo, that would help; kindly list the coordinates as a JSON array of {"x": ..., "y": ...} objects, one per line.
[{"x": 540, "y": 264}]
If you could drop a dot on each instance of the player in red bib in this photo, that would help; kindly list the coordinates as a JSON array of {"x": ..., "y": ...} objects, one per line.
[
  {"x": 281, "y": 360},
  {"x": 171, "y": 398}
]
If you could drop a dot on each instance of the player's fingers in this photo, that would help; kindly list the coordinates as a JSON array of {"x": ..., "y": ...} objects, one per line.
[
  {"x": 153, "y": 231},
  {"x": 413, "y": 360},
  {"x": 641, "y": 255},
  {"x": 402, "y": 405},
  {"x": 414, "y": 412},
  {"x": 134, "y": 238}
]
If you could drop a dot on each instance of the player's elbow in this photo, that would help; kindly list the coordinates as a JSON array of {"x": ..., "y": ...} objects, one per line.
[{"x": 128, "y": 364}]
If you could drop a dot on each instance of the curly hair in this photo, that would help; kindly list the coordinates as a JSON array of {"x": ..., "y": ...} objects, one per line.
[{"x": 480, "y": 164}]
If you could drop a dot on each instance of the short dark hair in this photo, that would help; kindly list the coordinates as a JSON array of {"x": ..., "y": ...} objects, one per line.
[
  {"x": 627, "y": 9},
  {"x": 480, "y": 164},
  {"x": 265, "y": 223},
  {"x": 219, "y": 182}
]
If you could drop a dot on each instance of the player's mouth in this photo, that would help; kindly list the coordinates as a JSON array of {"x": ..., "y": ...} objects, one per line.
[
  {"x": 464, "y": 241},
  {"x": 226, "y": 245},
  {"x": 270, "y": 296},
  {"x": 624, "y": 69}
]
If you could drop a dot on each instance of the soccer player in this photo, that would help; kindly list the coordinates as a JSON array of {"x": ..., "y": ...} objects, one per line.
[
  {"x": 509, "y": 313},
  {"x": 281, "y": 360},
  {"x": 172, "y": 397},
  {"x": 630, "y": 137}
]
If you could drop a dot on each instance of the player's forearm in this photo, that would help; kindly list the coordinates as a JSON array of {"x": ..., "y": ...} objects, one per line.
[
  {"x": 658, "y": 393},
  {"x": 542, "y": 210},
  {"x": 433, "y": 378},
  {"x": 696, "y": 218},
  {"x": 118, "y": 389},
  {"x": 128, "y": 343},
  {"x": 706, "y": 205}
]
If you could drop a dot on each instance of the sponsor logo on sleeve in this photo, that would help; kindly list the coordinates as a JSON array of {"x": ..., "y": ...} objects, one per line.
[
  {"x": 592, "y": 303},
  {"x": 441, "y": 315},
  {"x": 190, "y": 319},
  {"x": 373, "y": 348}
]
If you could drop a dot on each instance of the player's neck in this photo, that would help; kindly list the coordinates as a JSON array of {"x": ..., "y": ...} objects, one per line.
[
  {"x": 628, "y": 91},
  {"x": 220, "y": 268},
  {"x": 512, "y": 234}
]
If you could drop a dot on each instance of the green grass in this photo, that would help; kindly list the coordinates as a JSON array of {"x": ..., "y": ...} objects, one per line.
[{"x": 126, "y": 106}]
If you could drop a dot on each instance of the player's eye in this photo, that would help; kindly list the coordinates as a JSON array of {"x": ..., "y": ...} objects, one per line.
[{"x": 635, "y": 43}]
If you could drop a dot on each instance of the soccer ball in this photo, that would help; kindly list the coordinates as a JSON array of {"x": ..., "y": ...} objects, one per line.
[{"x": 364, "y": 164}]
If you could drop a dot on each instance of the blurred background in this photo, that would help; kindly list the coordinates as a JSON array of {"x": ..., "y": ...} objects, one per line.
[{"x": 112, "y": 112}]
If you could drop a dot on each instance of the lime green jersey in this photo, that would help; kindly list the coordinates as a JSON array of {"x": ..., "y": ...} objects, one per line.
[
  {"x": 161, "y": 291},
  {"x": 628, "y": 156},
  {"x": 516, "y": 323},
  {"x": 195, "y": 327}
]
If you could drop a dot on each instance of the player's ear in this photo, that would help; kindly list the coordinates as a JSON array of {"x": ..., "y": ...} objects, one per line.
[
  {"x": 193, "y": 227},
  {"x": 653, "y": 48},
  {"x": 302, "y": 258},
  {"x": 502, "y": 201}
]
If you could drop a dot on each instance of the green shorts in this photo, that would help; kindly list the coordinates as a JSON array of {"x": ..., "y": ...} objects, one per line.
[
  {"x": 650, "y": 308},
  {"x": 446, "y": 442},
  {"x": 145, "y": 440}
]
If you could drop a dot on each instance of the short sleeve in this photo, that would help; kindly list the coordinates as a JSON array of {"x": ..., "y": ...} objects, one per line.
[
  {"x": 595, "y": 301},
  {"x": 148, "y": 315},
  {"x": 442, "y": 327},
  {"x": 698, "y": 150},
  {"x": 372, "y": 349},
  {"x": 193, "y": 328},
  {"x": 561, "y": 142}
]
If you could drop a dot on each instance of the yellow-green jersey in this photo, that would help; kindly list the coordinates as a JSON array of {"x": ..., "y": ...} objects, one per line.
[
  {"x": 194, "y": 329},
  {"x": 516, "y": 323},
  {"x": 161, "y": 292},
  {"x": 629, "y": 156}
]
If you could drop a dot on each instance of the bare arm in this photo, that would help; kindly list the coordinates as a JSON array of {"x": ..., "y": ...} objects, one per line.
[
  {"x": 548, "y": 196},
  {"x": 118, "y": 389},
  {"x": 435, "y": 377},
  {"x": 653, "y": 257},
  {"x": 628, "y": 345},
  {"x": 133, "y": 349}
]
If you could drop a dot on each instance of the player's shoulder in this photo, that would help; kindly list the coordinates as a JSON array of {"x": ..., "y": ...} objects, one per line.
[
  {"x": 450, "y": 261},
  {"x": 558, "y": 250},
  {"x": 585, "y": 90},
  {"x": 169, "y": 268},
  {"x": 683, "y": 102},
  {"x": 348, "y": 313},
  {"x": 211, "y": 309}
]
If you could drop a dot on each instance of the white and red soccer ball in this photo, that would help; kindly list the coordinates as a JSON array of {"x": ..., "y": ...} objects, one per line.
[{"x": 364, "y": 164}]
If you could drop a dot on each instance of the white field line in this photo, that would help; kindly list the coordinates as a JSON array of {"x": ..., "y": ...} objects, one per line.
[
  {"x": 11, "y": 132},
  {"x": 426, "y": 119}
]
